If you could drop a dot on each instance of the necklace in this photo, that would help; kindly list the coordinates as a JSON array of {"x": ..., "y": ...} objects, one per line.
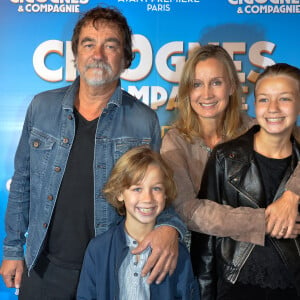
[
  {"x": 206, "y": 148},
  {"x": 209, "y": 149}
]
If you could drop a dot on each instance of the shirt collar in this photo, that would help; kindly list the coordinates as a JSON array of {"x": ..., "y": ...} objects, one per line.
[{"x": 68, "y": 102}]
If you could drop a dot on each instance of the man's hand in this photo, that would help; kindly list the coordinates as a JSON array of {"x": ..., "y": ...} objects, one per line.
[
  {"x": 11, "y": 271},
  {"x": 281, "y": 216},
  {"x": 164, "y": 243}
]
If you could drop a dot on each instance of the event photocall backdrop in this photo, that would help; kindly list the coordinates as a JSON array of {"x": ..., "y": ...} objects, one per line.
[{"x": 36, "y": 54}]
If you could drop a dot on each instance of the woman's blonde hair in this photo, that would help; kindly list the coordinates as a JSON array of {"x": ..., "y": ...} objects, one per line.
[
  {"x": 130, "y": 169},
  {"x": 187, "y": 122}
]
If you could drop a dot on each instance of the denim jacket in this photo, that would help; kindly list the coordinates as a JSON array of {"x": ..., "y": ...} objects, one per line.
[{"x": 41, "y": 158}]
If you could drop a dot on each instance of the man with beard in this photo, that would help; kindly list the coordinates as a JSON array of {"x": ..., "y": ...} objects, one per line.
[{"x": 70, "y": 141}]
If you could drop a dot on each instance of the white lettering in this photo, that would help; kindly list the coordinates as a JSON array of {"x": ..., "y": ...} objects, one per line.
[
  {"x": 259, "y": 60},
  {"x": 237, "y": 48},
  {"x": 159, "y": 96},
  {"x": 162, "y": 58},
  {"x": 169, "y": 61},
  {"x": 51, "y": 1},
  {"x": 251, "y": 2},
  {"x": 142, "y": 94},
  {"x": 39, "y": 57},
  {"x": 142, "y": 47}
]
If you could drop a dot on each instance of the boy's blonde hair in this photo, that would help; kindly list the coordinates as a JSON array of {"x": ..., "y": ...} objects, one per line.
[{"x": 130, "y": 169}]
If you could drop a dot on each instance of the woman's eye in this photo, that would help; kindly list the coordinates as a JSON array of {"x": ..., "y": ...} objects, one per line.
[
  {"x": 157, "y": 188},
  {"x": 217, "y": 82},
  {"x": 285, "y": 99},
  {"x": 262, "y": 100},
  {"x": 197, "y": 84}
]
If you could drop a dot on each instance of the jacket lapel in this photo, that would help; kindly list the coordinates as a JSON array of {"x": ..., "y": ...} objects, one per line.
[{"x": 246, "y": 181}]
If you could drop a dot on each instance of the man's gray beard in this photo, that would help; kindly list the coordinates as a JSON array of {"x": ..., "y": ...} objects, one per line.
[
  {"x": 99, "y": 82},
  {"x": 105, "y": 69}
]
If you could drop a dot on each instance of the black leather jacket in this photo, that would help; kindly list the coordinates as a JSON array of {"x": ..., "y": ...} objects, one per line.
[{"x": 232, "y": 178}]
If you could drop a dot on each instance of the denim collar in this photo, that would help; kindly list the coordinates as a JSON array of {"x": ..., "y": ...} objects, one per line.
[{"x": 70, "y": 95}]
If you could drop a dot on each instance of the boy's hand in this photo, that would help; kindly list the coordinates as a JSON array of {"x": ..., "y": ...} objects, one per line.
[{"x": 163, "y": 260}]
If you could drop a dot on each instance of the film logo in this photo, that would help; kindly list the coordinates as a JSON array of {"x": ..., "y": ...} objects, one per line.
[
  {"x": 49, "y": 6},
  {"x": 266, "y": 6}
]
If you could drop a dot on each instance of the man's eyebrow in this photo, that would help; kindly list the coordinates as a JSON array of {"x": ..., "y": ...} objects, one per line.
[
  {"x": 112, "y": 39},
  {"x": 87, "y": 39}
]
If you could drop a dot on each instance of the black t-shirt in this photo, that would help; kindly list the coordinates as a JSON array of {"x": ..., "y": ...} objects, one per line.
[
  {"x": 264, "y": 266},
  {"x": 72, "y": 225},
  {"x": 272, "y": 171}
]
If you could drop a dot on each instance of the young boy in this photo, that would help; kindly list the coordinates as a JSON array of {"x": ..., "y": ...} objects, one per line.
[{"x": 140, "y": 186}]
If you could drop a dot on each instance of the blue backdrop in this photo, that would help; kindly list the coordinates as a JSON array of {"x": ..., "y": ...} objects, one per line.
[{"x": 36, "y": 54}]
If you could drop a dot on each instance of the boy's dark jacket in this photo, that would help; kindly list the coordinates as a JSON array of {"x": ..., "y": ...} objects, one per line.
[
  {"x": 103, "y": 258},
  {"x": 232, "y": 177}
]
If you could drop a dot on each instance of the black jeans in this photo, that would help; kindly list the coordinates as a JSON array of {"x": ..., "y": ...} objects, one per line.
[
  {"x": 228, "y": 291},
  {"x": 48, "y": 281}
]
